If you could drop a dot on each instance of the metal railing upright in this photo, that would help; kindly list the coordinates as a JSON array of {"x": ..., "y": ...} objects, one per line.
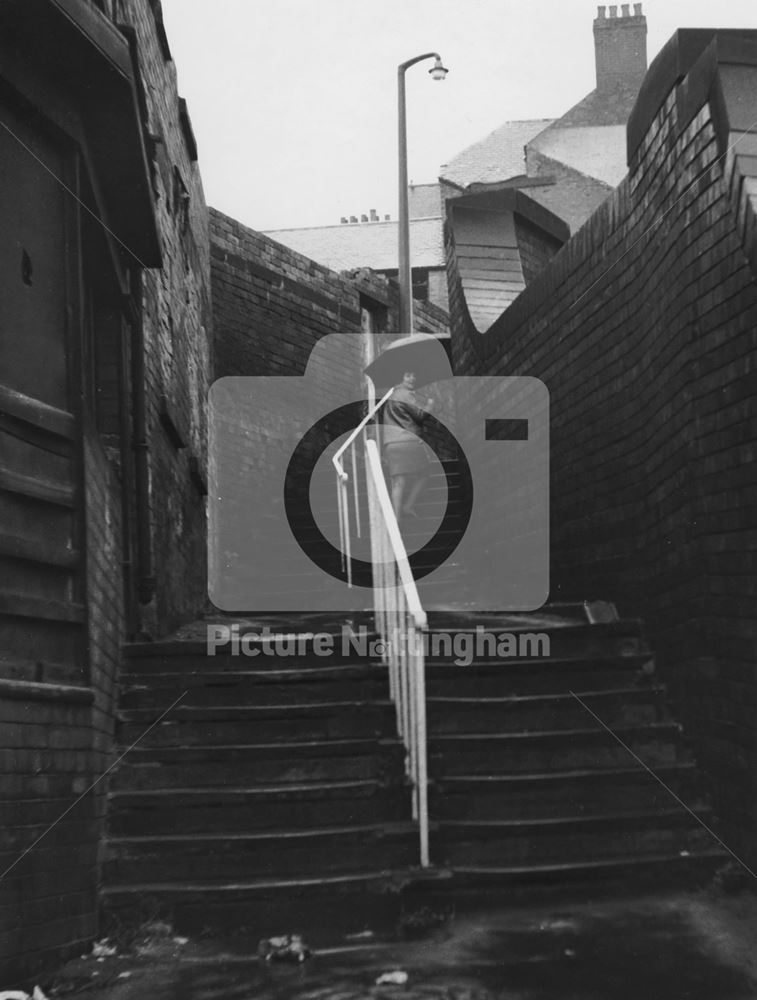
[{"x": 401, "y": 621}]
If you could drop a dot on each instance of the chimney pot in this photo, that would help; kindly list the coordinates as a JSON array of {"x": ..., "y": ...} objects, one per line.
[
  {"x": 601, "y": 13},
  {"x": 363, "y": 218},
  {"x": 620, "y": 49},
  {"x": 353, "y": 218},
  {"x": 343, "y": 219},
  {"x": 637, "y": 10},
  {"x": 374, "y": 215},
  {"x": 387, "y": 218}
]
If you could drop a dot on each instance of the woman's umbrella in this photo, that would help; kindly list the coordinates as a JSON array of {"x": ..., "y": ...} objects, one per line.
[{"x": 426, "y": 354}]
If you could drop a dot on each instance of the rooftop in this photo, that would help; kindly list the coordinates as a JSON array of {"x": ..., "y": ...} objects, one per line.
[
  {"x": 365, "y": 244},
  {"x": 497, "y": 157}
]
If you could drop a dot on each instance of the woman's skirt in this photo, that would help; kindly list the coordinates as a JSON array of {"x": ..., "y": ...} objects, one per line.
[{"x": 405, "y": 458}]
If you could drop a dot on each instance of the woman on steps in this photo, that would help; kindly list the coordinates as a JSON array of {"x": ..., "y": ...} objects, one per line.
[{"x": 405, "y": 453}]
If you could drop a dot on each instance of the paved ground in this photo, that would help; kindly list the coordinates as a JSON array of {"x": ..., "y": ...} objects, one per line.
[{"x": 665, "y": 947}]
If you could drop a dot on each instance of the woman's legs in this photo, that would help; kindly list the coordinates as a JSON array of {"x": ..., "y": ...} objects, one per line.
[
  {"x": 416, "y": 489},
  {"x": 398, "y": 493}
]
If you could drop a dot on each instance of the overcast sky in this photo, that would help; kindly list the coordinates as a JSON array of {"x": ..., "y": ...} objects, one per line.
[{"x": 294, "y": 104}]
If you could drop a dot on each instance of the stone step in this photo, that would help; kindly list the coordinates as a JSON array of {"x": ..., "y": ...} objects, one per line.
[
  {"x": 232, "y": 724},
  {"x": 564, "y": 839},
  {"x": 597, "y": 644},
  {"x": 624, "y": 706},
  {"x": 556, "y": 750},
  {"x": 278, "y": 654},
  {"x": 543, "y": 644},
  {"x": 532, "y": 677},
  {"x": 531, "y": 796},
  {"x": 664, "y": 868},
  {"x": 265, "y": 807},
  {"x": 260, "y": 764},
  {"x": 280, "y": 776},
  {"x": 256, "y": 688},
  {"x": 245, "y": 855},
  {"x": 330, "y": 905}
]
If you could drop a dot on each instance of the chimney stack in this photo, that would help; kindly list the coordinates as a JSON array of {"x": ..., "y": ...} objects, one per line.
[
  {"x": 620, "y": 47},
  {"x": 374, "y": 215}
]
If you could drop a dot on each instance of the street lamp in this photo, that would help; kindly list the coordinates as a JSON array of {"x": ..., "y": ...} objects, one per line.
[{"x": 437, "y": 72}]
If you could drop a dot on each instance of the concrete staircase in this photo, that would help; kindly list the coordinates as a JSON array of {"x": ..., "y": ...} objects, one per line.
[
  {"x": 275, "y": 789},
  {"x": 527, "y": 784},
  {"x": 276, "y": 782}
]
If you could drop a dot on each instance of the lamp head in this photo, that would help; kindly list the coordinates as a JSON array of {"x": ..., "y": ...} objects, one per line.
[{"x": 438, "y": 71}]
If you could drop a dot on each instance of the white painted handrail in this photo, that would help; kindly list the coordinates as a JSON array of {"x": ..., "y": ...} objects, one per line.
[
  {"x": 401, "y": 623},
  {"x": 337, "y": 459},
  {"x": 400, "y": 619},
  {"x": 393, "y": 529}
]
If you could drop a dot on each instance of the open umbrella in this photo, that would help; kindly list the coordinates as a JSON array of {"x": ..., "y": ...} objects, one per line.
[{"x": 426, "y": 354}]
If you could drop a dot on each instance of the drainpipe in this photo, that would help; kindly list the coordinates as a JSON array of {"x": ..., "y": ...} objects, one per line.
[{"x": 145, "y": 573}]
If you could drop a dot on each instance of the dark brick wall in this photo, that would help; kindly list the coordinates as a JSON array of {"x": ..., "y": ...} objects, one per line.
[
  {"x": 644, "y": 329},
  {"x": 177, "y": 325},
  {"x": 536, "y": 247},
  {"x": 47, "y": 903},
  {"x": 271, "y": 306},
  {"x": 55, "y": 740}
]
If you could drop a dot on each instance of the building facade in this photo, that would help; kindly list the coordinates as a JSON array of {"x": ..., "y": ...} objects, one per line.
[{"x": 105, "y": 357}]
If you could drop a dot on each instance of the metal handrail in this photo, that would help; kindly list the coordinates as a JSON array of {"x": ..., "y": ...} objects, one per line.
[
  {"x": 401, "y": 623},
  {"x": 400, "y": 618},
  {"x": 337, "y": 459},
  {"x": 393, "y": 529}
]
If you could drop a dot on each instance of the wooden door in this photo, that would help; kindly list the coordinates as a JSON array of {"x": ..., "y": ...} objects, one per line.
[{"x": 42, "y": 615}]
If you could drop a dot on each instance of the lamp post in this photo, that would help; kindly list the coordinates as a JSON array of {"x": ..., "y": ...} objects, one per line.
[{"x": 438, "y": 72}]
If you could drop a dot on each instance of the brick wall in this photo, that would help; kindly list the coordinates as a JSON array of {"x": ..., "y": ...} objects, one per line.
[
  {"x": 47, "y": 903},
  {"x": 177, "y": 330},
  {"x": 55, "y": 740},
  {"x": 272, "y": 304},
  {"x": 536, "y": 247},
  {"x": 644, "y": 329},
  {"x": 271, "y": 307},
  {"x": 106, "y": 628}
]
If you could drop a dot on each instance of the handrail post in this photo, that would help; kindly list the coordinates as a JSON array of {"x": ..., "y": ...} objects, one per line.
[{"x": 401, "y": 623}]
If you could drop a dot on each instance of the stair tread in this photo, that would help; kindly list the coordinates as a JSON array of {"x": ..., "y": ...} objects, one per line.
[
  {"x": 596, "y": 863},
  {"x": 260, "y": 884},
  {"x": 283, "y": 745},
  {"x": 400, "y": 827},
  {"x": 625, "y": 728},
  {"x": 286, "y": 707},
  {"x": 528, "y": 621},
  {"x": 518, "y": 699},
  {"x": 193, "y": 647},
  {"x": 198, "y": 647},
  {"x": 627, "y": 661},
  {"x": 580, "y": 819},
  {"x": 263, "y": 789},
  {"x": 552, "y": 776},
  {"x": 358, "y": 671}
]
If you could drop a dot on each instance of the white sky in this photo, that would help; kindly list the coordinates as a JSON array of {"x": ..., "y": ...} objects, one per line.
[{"x": 293, "y": 102}]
